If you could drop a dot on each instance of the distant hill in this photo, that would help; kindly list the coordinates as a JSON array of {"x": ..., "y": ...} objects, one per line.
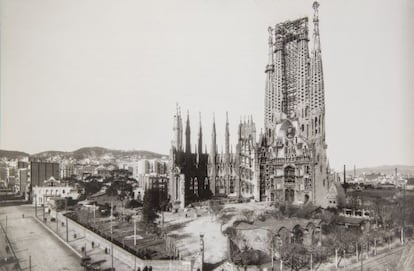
[
  {"x": 386, "y": 169},
  {"x": 82, "y": 153},
  {"x": 13, "y": 154}
]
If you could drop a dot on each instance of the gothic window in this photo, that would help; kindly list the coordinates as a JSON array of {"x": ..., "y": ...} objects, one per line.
[
  {"x": 306, "y": 198},
  {"x": 308, "y": 184},
  {"x": 231, "y": 185},
  {"x": 289, "y": 174}
]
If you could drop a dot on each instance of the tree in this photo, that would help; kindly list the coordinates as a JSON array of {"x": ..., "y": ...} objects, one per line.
[
  {"x": 92, "y": 187},
  {"x": 295, "y": 255},
  {"x": 133, "y": 204},
  {"x": 150, "y": 208}
]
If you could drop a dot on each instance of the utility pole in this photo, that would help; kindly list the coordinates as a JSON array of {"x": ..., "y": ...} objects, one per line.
[
  {"x": 112, "y": 245},
  {"x": 135, "y": 233},
  {"x": 202, "y": 251},
  {"x": 36, "y": 206},
  {"x": 362, "y": 257},
  {"x": 336, "y": 258},
  {"x": 345, "y": 185},
  {"x": 67, "y": 230},
  {"x": 273, "y": 254},
  {"x": 403, "y": 217},
  {"x": 43, "y": 208},
  {"x": 311, "y": 262},
  {"x": 30, "y": 263}
]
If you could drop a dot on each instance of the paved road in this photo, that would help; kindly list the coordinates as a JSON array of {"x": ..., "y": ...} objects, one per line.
[
  {"x": 382, "y": 262},
  {"x": 407, "y": 258},
  {"x": 29, "y": 238}
]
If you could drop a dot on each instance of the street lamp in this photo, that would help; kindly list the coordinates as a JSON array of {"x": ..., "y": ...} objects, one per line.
[
  {"x": 279, "y": 245},
  {"x": 202, "y": 250},
  {"x": 362, "y": 250}
]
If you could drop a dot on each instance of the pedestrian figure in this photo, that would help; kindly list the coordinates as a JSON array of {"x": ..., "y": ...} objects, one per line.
[{"x": 22, "y": 215}]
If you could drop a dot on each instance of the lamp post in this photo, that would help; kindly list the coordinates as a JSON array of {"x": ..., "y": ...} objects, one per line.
[
  {"x": 135, "y": 232},
  {"x": 94, "y": 214},
  {"x": 311, "y": 262},
  {"x": 362, "y": 249},
  {"x": 279, "y": 245},
  {"x": 202, "y": 250},
  {"x": 112, "y": 247}
]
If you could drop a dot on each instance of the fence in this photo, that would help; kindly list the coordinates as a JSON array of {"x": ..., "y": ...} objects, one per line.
[{"x": 126, "y": 256}]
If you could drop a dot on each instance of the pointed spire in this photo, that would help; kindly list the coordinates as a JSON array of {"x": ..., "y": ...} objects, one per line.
[
  {"x": 200, "y": 136},
  {"x": 178, "y": 129},
  {"x": 188, "y": 134},
  {"x": 227, "y": 140},
  {"x": 270, "y": 64},
  {"x": 316, "y": 38},
  {"x": 213, "y": 151}
]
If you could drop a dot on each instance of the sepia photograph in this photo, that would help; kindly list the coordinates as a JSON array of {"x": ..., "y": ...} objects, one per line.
[{"x": 206, "y": 135}]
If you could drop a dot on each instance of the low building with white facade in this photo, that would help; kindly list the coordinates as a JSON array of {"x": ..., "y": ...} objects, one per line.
[{"x": 53, "y": 189}]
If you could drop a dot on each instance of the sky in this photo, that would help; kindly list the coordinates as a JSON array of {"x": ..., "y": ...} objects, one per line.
[{"x": 109, "y": 73}]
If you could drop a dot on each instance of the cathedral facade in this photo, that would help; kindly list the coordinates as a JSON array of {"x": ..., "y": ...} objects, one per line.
[
  {"x": 287, "y": 161},
  {"x": 189, "y": 180},
  {"x": 291, "y": 153},
  {"x": 223, "y": 171}
]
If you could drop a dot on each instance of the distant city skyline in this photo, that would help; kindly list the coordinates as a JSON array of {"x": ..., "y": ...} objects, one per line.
[{"x": 108, "y": 73}]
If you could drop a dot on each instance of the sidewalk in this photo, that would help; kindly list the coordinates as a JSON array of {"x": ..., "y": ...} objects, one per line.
[{"x": 96, "y": 254}]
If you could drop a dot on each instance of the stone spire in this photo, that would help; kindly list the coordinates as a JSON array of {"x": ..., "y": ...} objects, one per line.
[
  {"x": 200, "y": 137},
  {"x": 188, "y": 135},
  {"x": 270, "y": 64},
  {"x": 212, "y": 158},
  {"x": 269, "y": 89},
  {"x": 316, "y": 38},
  {"x": 317, "y": 91},
  {"x": 178, "y": 130},
  {"x": 227, "y": 140},
  {"x": 213, "y": 151}
]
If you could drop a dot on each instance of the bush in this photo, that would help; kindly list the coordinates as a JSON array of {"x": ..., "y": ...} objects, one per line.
[
  {"x": 133, "y": 204},
  {"x": 230, "y": 232}
]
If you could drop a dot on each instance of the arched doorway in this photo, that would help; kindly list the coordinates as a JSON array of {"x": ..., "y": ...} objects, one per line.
[
  {"x": 297, "y": 234},
  {"x": 289, "y": 195}
]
